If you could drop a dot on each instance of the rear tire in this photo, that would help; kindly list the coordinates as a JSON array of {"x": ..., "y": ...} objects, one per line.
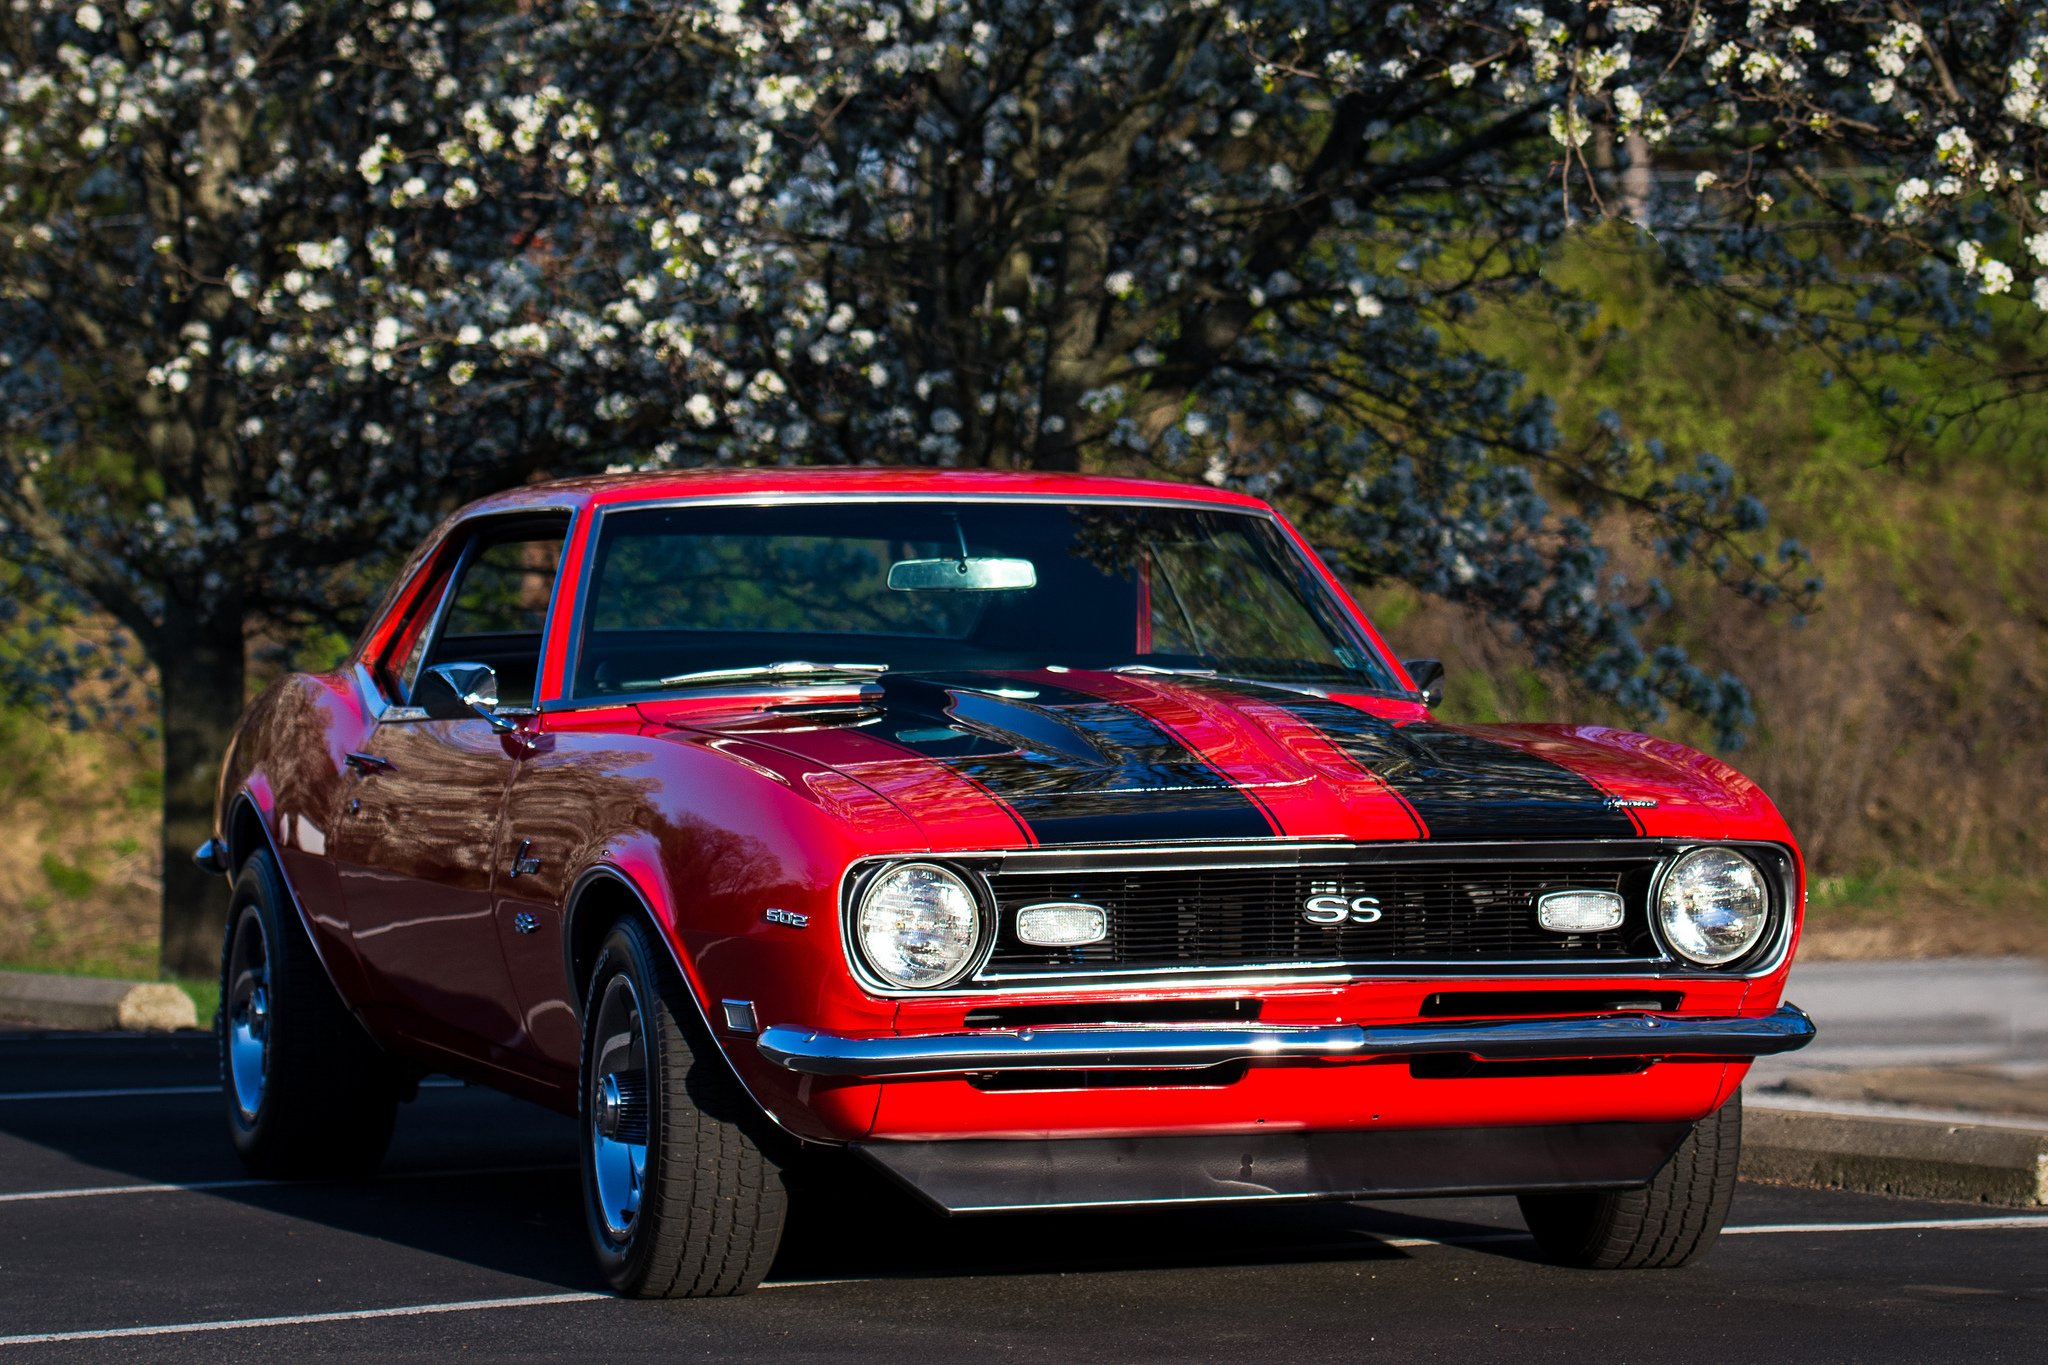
[
  {"x": 1672, "y": 1221},
  {"x": 309, "y": 1095},
  {"x": 680, "y": 1197}
]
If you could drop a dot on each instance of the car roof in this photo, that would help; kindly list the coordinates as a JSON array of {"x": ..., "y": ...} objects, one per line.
[{"x": 852, "y": 481}]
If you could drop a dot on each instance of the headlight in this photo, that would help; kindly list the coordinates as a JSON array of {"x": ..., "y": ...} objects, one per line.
[
  {"x": 1713, "y": 906},
  {"x": 918, "y": 926}
]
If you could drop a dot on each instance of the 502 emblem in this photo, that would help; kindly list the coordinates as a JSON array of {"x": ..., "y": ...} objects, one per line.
[{"x": 1334, "y": 910}]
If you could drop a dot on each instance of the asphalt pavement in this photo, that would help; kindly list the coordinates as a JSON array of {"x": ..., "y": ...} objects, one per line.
[
  {"x": 1964, "y": 1035},
  {"x": 128, "y": 1232}
]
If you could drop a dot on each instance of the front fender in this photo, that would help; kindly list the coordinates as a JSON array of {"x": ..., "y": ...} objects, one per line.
[{"x": 834, "y": 1111}]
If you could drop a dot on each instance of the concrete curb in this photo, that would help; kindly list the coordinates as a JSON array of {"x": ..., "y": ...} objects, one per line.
[
  {"x": 88, "y": 1002},
  {"x": 1987, "y": 1161}
]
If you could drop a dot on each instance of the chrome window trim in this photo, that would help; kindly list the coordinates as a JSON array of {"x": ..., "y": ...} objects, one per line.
[
  {"x": 439, "y": 619},
  {"x": 404, "y": 715},
  {"x": 399, "y": 712},
  {"x": 569, "y": 701},
  {"x": 477, "y": 529},
  {"x": 1333, "y": 972}
]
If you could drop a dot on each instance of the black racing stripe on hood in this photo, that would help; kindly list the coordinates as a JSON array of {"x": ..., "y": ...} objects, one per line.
[
  {"x": 1075, "y": 768},
  {"x": 1461, "y": 785}
]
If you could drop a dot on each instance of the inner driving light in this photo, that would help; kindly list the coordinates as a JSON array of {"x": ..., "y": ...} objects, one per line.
[
  {"x": 1713, "y": 906},
  {"x": 1580, "y": 912},
  {"x": 1062, "y": 924},
  {"x": 918, "y": 926}
]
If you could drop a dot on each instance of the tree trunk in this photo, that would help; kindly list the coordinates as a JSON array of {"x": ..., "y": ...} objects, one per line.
[
  {"x": 200, "y": 663},
  {"x": 1635, "y": 181}
]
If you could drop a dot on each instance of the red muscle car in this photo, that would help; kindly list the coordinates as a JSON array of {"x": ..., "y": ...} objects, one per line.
[{"x": 1046, "y": 841}]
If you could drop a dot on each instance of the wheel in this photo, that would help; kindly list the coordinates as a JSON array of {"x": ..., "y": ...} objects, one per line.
[
  {"x": 309, "y": 1095},
  {"x": 681, "y": 1198},
  {"x": 1672, "y": 1221}
]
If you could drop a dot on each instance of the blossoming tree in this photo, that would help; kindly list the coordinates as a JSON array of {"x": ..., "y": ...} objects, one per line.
[
  {"x": 259, "y": 317},
  {"x": 279, "y": 281}
]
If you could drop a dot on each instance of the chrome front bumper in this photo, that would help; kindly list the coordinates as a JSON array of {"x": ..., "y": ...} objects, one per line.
[{"x": 1178, "y": 1048}]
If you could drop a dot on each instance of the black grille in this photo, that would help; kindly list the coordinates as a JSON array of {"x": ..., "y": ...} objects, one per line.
[{"x": 1430, "y": 912}]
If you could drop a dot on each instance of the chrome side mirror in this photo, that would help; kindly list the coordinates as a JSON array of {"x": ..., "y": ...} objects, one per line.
[
  {"x": 1429, "y": 679},
  {"x": 458, "y": 691}
]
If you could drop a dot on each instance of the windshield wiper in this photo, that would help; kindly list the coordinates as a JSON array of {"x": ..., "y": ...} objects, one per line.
[
  {"x": 788, "y": 668},
  {"x": 1306, "y": 688}
]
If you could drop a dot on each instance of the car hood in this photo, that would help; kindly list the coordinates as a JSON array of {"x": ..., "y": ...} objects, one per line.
[{"x": 1073, "y": 758}]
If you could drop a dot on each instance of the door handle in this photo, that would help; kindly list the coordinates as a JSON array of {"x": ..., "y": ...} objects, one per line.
[{"x": 367, "y": 764}]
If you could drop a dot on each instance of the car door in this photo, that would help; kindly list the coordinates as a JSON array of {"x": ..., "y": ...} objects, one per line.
[{"x": 418, "y": 838}]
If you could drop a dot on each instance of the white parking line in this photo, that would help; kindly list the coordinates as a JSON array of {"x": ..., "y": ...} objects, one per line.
[
  {"x": 247, "y": 1183},
  {"x": 2021, "y": 1221},
  {"x": 95, "y": 1191},
  {"x": 549, "y": 1300},
  {"x": 2017, "y": 1220},
  {"x": 125, "y": 1092},
  {"x": 418, "y": 1310},
  {"x": 141, "y": 1091}
]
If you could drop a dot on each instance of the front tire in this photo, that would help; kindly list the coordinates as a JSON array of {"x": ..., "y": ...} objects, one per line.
[
  {"x": 680, "y": 1199},
  {"x": 309, "y": 1095},
  {"x": 1670, "y": 1222}
]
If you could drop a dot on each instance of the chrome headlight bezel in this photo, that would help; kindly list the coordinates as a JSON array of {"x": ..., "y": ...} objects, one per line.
[
  {"x": 1770, "y": 924},
  {"x": 872, "y": 975}
]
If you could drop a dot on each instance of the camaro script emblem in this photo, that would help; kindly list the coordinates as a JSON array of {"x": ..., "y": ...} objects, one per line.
[{"x": 1330, "y": 910}]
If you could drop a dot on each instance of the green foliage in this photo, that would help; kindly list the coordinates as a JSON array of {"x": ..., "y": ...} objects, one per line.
[
  {"x": 205, "y": 993},
  {"x": 144, "y": 790},
  {"x": 70, "y": 880}
]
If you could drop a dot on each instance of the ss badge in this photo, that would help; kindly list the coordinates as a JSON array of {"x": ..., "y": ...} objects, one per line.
[{"x": 1332, "y": 910}]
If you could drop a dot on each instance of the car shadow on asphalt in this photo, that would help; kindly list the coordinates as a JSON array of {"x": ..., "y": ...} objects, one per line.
[{"x": 489, "y": 1181}]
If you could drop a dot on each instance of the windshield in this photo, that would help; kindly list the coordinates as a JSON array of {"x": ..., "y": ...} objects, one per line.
[{"x": 688, "y": 596}]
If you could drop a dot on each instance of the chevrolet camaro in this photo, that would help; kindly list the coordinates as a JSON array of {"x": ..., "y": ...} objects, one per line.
[{"x": 1046, "y": 842}]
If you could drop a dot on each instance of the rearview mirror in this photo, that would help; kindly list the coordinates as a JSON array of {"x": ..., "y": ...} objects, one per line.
[
  {"x": 459, "y": 691},
  {"x": 985, "y": 574},
  {"x": 1429, "y": 679}
]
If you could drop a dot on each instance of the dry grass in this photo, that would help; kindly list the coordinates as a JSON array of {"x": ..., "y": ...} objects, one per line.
[
  {"x": 1918, "y": 913},
  {"x": 78, "y": 849},
  {"x": 1903, "y": 729}
]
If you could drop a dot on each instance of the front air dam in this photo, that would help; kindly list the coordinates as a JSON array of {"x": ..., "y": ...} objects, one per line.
[{"x": 1008, "y": 1176}]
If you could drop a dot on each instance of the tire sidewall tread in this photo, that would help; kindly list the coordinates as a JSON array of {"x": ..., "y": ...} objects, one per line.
[
  {"x": 330, "y": 1095},
  {"x": 712, "y": 1205}
]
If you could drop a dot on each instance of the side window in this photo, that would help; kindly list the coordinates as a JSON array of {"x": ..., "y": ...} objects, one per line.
[
  {"x": 500, "y": 607},
  {"x": 406, "y": 649}
]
